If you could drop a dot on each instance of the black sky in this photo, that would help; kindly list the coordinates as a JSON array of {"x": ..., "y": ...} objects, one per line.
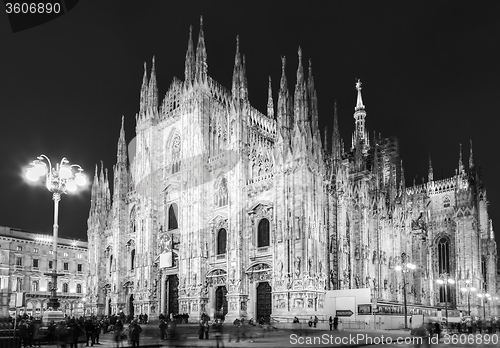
[{"x": 429, "y": 70}]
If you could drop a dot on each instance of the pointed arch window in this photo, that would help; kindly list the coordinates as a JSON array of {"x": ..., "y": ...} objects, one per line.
[
  {"x": 176, "y": 154},
  {"x": 444, "y": 267},
  {"x": 132, "y": 259},
  {"x": 483, "y": 272},
  {"x": 446, "y": 202},
  {"x": 263, "y": 233},
  {"x": 221, "y": 193},
  {"x": 221, "y": 241},
  {"x": 172, "y": 217}
]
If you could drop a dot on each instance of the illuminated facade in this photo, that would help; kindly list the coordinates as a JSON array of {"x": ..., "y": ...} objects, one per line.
[
  {"x": 222, "y": 209},
  {"x": 25, "y": 257}
]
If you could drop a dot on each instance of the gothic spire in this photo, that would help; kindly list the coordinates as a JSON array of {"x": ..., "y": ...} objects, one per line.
[
  {"x": 471, "y": 157},
  {"x": 122, "y": 146},
  {"x": 300, "y": 96},
  {"x": 201, "y": 55},
  {"x": 283, "y": 114},
  {"x": 189, "y": 64},
  {"x": 431, "y": 171},
  {"x": 325, "y": 144},
  {"x": 313, "y": 100},
  {"x": 360, "y": 135},
  {"x": 336, "y": 149},
  {"x": 270, "y": 103},
  {"x": 461, "y": 169},
  {"x": 359, "y": 101},
  {"x": 236, "y": 88},
  {"x": 153, "y": 89},
  {"x": 243, "y": 78},
  {"x": 144, "y": 91}
]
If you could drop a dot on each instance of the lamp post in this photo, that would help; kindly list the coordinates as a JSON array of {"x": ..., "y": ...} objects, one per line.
[
  {"x": 484, "y": 298},
  {"x": 61, "y": 179},
  {"x": 468, "y": 289},
  {"x": 405, "y": 267},
  {"x": 444, "y": 279}
]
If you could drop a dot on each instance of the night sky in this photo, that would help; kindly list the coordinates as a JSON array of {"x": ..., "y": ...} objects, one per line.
[{"x": 430, "y": 73}]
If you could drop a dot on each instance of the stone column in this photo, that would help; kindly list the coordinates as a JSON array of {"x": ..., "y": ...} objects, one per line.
[{"x": 163, "y": 295}]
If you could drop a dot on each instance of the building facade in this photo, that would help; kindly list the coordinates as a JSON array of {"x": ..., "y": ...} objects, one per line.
[
  {"x": 26, "y": 257},
  {"x": 218, "y": 208}
]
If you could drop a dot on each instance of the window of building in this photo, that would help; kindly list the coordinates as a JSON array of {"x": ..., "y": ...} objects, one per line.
[
  {"x": 176, "y": 154},
  {"x": 79, "y": 256},
  {"x": 35, "y": 263},
  {"x": 19, "y": 248},
  {"x": 78, "y": 288},
  {"x": 65, "y": 287},
  {"x": 51, "y": 252},
  {"x": 172, "y": 217},
  {"x": 19, "y": 284},
  {"x": 19, "y": 261},
  {"x": 65, "y": 254},
  {"x": 34, "y": 285},
  {"x": 66, "y": 266},
  {"x": 132, "y": 259},
  {"x": 79, "y": 267},
  {"x": 444, "y": 268},
  {"x": 483, "y": 273},
  {"x": 263, "y": 233},
  {"x": 221, "y": 241},
  {"x": 221, "y": 193},
  {"x": 35, "y": 250},
  {"x": 50, "y": 264}
]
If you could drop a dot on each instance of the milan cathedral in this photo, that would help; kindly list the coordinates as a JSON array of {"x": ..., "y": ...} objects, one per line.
[{"x": 221, "y": 209}]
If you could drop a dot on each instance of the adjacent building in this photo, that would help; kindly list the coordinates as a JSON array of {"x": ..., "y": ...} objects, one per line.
[
  {"x": 26, "y": 257},
  {"x": 220, "y": 208}
]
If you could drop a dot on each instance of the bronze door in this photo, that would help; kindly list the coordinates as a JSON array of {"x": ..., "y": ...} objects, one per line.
[
  {"x": 264, "y": 301},
  {"x": 173, "y": 295},
  {"x": 221, "y": 302}
]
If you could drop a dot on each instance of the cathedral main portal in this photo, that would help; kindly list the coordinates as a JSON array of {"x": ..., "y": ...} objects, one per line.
[
  {"x": 221, "y": 302},
  {"x": 173, "y": 294},
  {"x": 264, "y": 305}
]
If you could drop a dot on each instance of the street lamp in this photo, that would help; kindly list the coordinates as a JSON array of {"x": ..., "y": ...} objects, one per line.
[
  {"x": 59, "y": 180},
  {"x": 484, "y": 298},
  {"x": 405, "y": 267},
  {"x": 468, "y": 289},
  {"x": 444, "y": 279}
]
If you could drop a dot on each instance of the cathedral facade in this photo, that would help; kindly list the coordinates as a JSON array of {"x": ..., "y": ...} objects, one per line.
[{"x": 221, "y": 209}]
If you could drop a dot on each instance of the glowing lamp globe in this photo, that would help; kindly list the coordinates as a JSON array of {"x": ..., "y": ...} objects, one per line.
[
  {"x": 65, "y": 172},
  {"x": 398, "y": 268},
  {"x": 71, "y": 185},
  {"x": 40, "y": 168},
  {"x": 80, "y": 179},
  {"x": 31, "y": 174}
]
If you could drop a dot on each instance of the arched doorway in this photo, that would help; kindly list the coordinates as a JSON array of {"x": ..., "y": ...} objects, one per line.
[
  {"x": 173, "y": 295},
  {"x": 220, "y": 302},
  {"x": 264, "y": 301},
  {"x": 131, "y": 305}
]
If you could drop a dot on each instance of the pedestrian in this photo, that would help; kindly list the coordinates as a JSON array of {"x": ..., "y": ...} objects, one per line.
[
  {"x": 310, "y": 322},
  {"x": 335, "y": 322},
  {"x": 117, "y": 332},
  {"x": 206, "y": 327},
  {"x": 134, "y": 333},
  {"x": 330, "y": 321},
  {"x": 163, "y": 329},
  {"x": 96, "y": 331},
  {"x": 315, "y": 321},
  {"x": 218, "y": 333},
  {"x": 89, "y": 332}
]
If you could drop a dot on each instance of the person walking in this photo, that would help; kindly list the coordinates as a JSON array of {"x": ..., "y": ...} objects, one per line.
[
  {"x": 218, "y": 333},
  {"x": 163, "y": 329},
  {"x": 315, "y": 321},
  {"x": 134, "y": 333},
  {"x": 335, "y": 323},
  {"x": 89, "y": 332},
  {"x": 117, "y": 332},
  {"x": 330, "y": 321}
]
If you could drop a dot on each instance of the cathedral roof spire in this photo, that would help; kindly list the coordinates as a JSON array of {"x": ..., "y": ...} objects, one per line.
[
  {"x": 431, "y": 171},
  {"x": 283, "y": 112},
  {"x": 144, "y": 91},
  {"x": 471, "y": 157},
  {"x": 313, "y": 100},
  {"x": 359, "y": 101},
  {"x": 300, "y": 114},
  {"x": 461, "y": 169},
  {"x": 270, "y": 103},
  {"x": 336, "y": 146},
  {"x": 239, "y": 88},
  {"x": 189, "y": 64},
  {"x": 121, "y": 156},
  {"x": 153, "y": 89},
  {"x": 360, "y": 135},
  {"x": 201, "y": 56}
]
